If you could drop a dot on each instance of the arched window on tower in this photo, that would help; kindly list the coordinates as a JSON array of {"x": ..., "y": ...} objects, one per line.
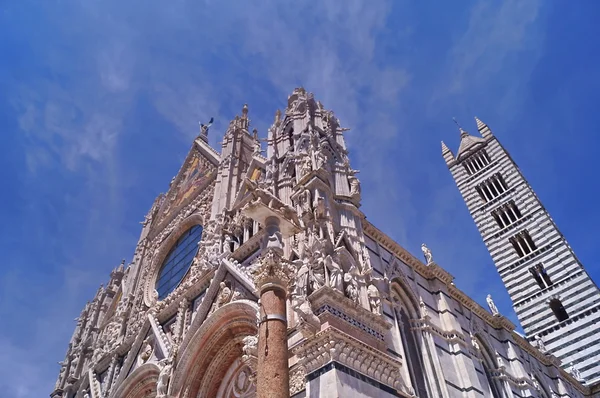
[
  {"x": 559, "y": 310},
  {"x": 408, "y": 342}
]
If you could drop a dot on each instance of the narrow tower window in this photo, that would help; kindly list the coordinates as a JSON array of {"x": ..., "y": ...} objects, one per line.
[
  {"x": 476, "y": 162},
  {"x": 492, "y": 187},
  {"x": 523, "y": 243},
  {"x": 559, "y": 311},
  {"x": 541, "y": 276},
  {"x": 506, "y": 214}
]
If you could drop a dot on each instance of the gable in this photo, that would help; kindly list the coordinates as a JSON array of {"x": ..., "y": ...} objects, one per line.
[{"x": 196, "y": 173}]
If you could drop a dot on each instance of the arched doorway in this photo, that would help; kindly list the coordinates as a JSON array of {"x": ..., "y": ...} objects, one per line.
[{"x": 210, "y": 364}]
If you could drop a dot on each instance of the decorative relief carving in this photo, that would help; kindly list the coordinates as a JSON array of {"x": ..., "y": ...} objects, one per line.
[{"x": 333, "y": 345}]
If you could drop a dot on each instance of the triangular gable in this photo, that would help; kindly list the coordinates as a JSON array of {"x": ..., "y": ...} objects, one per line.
[
  {"x": 254, "y": 173},
  {"x": 196, "y": 173}
]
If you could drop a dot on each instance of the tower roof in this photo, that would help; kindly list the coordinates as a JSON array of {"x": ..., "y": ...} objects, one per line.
[{"x": 467, "y": 142}]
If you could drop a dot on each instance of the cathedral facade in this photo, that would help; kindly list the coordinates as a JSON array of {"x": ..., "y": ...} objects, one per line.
[{"x": 257, "y": 275}]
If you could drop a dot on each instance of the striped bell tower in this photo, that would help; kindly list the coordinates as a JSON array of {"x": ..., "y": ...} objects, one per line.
[{"x": 557, "y": 303}]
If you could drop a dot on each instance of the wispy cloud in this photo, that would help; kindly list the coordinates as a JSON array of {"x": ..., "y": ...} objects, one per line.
[{"x": 113, "y": 92}]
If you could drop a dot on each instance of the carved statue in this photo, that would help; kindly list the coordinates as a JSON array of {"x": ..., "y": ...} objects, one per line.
[
  {"x": 146, "y": 351},
  {"x": 320, "y": 209},
  {"x": 352, "y": 285},
  {"x": 539, "y": 343},
  {"x": 250, "y": 345},
  {"x": 427, "y": 254},
  {"x": 204, "y": 127},
  {"x": 493, "y": 308},
  {"x": 354, "y": 185},
  {"x": 163, "y": 378},
  {"x": 499, "y": 360},
  {"x": 574, "y": 371},
  {"x": 374, "y": 299},
  {"x": 227, "y": 244},
  {"x": 224, "y": 294},
  {"x": 423, "y": 307},
  {"x": 305, "y": 165},
  {"x": 301, "y": 283},
  {"x": 534, "y": 381},
  {"x": 336, "y": 277},
  {"x": 474, "y": 342}
]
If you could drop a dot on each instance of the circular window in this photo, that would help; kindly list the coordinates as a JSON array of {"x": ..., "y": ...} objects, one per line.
[{"x": 178, "y": 261}]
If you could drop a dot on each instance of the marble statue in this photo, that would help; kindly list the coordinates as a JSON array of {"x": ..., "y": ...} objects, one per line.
[
  {"x": 163, "y": 379},
  {"x": 492, "y": 305},
  {"x": 574, "y": 371},
  {"x": 336, "y": 278},
  {"x": 374, "y": 299},
  {"x": 539, "y": 343},
  {"x": 427, "y": 254}
]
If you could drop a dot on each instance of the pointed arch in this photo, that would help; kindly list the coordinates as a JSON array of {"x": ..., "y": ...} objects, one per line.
[
  {"x": 214, "y": 347},
  {"x": 488, "y": 363},
  {"x": 409, "y": 341},
  {"x": 141, "y": 383}
]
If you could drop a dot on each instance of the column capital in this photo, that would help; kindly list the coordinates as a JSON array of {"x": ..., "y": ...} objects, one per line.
[{"x": 272, "y": 271}]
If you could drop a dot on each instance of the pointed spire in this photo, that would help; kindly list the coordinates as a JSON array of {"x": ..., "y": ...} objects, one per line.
[
  {"x": 480, "y": 125},
  {"x": 447, "y": 154},
  {"x": 445, "y": 148},
  {"x": 483, "y": 128},
  {"x": 245, "y": 111}
]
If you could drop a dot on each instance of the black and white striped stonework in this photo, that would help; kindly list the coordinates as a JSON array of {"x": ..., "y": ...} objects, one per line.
[{"x": 551, "y": 292}]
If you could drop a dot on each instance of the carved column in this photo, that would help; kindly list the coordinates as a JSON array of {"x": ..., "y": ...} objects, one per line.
[{"x": 271, "y": 279}]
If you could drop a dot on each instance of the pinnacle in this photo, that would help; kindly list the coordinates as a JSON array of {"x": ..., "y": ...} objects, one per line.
[
  {"x": 445, "y": 147},
  {"x": 480, "y": 125}
]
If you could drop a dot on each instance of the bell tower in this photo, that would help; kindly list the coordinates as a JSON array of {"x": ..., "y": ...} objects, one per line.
[{"x": 557, "y": 303}]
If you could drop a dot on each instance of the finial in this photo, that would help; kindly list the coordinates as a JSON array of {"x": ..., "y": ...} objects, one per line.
[
  {"x": 245, "y": 111},
  {"x": 459, "y": 126},
  {"x": 462, "y": 132}
]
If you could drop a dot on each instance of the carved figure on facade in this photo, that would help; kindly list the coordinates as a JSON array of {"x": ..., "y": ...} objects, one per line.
[
  {"x": 164, "y": 376},
  {"x": 146, "y": 352},
  {"x": 492, "y": 305},
  {"x": 574, "y": 371},
  {"x": 352, "y": 279},
  {"x": 423, "y": 308},
  {"x": 474, "y": 342},
  {"x": 354, "y": 185},
  {"x": 534, "y": 381},
  {"x": 336, "y": 274},
  {"x": 539, "y": 344},
  {"x": 427, "y": 254},
  {"x": 374, "y": 299},
  {"x": 499, "y": 360}
]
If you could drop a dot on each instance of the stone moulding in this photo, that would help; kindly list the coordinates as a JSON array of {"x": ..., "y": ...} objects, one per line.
[
  {"x": 333, "y": 345},
  {"x": 328, "y": 297}
]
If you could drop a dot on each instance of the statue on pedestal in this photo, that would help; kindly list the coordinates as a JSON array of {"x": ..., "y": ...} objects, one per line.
[
  {"x": 427, "y": 254},
  {"x": 492, "y": 306}
]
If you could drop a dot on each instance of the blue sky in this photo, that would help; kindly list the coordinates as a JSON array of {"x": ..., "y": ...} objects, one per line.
[{"x": 100, "y": 100}]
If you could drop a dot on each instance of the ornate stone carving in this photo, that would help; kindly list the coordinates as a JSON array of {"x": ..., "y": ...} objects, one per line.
[
  {"x": 162, "y": 384},
  {"x": 333, "y": 345},
  {"x": 374, "y": 299},
  {"x": 297, "y": 380},
  {"x": 146, "y": 352}
]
